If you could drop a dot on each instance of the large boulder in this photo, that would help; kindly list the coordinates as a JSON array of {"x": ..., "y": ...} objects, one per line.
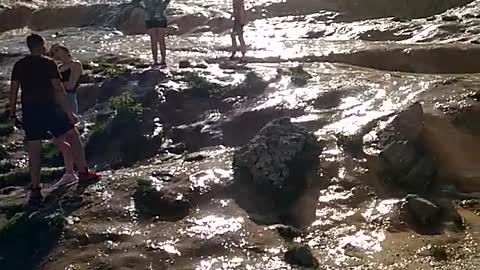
[
  {"x": 399, "y": 144},
  {"x": 275, "y": 169},
  {"x": 301, "y": 256},
  {"x": 370, "y": 9},
  {"x": 71, "y": 16},
  {"x": 239, "y": 128},
  {"x": 87, "y": 95},
  {"x": 133, "y": 22},
  {"x": 422, "y": 210},
  {"x": 14, "y": 18}
]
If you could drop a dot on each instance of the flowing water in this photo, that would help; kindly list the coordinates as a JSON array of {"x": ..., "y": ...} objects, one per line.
[{"x": 356, "y": 67}]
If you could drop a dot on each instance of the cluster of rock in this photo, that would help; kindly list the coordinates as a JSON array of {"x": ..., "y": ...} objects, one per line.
[{"x": 275, "y": 168}]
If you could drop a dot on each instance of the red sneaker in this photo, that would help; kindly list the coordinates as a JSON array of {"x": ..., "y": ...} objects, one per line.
[{"x": 88, "y": 176}]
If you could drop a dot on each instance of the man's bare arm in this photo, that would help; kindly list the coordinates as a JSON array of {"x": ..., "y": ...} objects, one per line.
[{"x": 14, "y": 86}]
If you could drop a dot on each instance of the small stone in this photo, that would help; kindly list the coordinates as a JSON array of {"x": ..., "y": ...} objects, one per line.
[
  {"x": 185, "y": 64},
  {"x": 301, "y": 256},
  {"x": 450, "y": 18},
  {"x": 397, "y": 19},
  {"x": 202, "y": 65},
  {"x": 288, "y": 232},
  {"x": 439, "y": 253},
  {"x": 178, "y": 148},
  {"x": 421, "y": 209},
  {"x": 194, "y": 157}
]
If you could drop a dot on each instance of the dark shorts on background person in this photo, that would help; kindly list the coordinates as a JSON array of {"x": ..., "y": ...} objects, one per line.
[
  {"x": 41, "y": 122},
  {"x": 157, "y": 23},
  {"x": 237, "y": 27}
]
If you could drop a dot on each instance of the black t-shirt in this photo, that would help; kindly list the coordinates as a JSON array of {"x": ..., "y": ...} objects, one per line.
[{"x": 34, "y": 73}]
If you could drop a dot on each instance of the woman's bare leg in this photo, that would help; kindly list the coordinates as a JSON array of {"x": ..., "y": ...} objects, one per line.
[
  {"x": 66, "y": 150},
  {"x": 153, "y": 43},
  {"x": 243, "y": 46},
  {"x": 161, "y": 32},
  {"x": 234, "y": 45}
]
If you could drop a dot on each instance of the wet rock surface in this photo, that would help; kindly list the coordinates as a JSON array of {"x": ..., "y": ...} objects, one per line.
[
  {"x": 399, "y": 145},
  {"x": 301, "y": 256},
  {"x": 279, "y": 164}
]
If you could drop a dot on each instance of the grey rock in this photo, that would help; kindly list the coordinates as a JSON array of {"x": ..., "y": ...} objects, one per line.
[
  {"x": 400, "y": 146},
  {"x": 450, "y": 18},
  {"x": 422, "y": 210},
  {"x": 301, "y": 256},
  {"x": 279, "y": 163},
  {"x": 420, "y": 175},
  {"x": 288, "y": 232},
  {"x": 185, "y": 64},
  {"x": 151, "y": 77}
]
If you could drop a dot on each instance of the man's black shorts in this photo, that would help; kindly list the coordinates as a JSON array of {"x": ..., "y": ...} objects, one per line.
[{"x": 41, "y": 122}]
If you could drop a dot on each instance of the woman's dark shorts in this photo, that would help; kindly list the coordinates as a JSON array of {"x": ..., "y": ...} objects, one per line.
[
  {"x": 41, "y": 122},
  {"x": 158, "y": 23}
]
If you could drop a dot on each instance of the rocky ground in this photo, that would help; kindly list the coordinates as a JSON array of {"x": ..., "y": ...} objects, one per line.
[{"x": 194, "y": 177}]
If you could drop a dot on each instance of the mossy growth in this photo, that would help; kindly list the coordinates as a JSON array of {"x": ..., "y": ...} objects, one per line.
[
  {"x": 199, "y": 86},
  {"x": 439, "y": 253},
  {"x": 6, "y": 166},
  {"x": 109, "y": 70},
  {"x": 144, "y": 187},
  {"x": 6, "y": 129},
  {"x": 27, "y": 237},
  {"x": 126, "y": 108},
  {"x": 299, "y": 76},
  {"x": 22, "y": 176},
  {"x": 144, "y": 193},
  {"x": 3, "y": 152},
  {"x": 121, "y": 135}
]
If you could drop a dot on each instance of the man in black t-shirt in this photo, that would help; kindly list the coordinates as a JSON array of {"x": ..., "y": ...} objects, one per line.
[{"x": 45, "y": 112}]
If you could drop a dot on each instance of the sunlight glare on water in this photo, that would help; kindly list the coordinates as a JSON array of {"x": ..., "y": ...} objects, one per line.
[{"x": 211, "y": 226}]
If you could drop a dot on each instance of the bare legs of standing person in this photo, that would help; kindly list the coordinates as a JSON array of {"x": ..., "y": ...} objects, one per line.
[
  {"x": 154, "y": 44},
  {"x": 34, "y": 162},
  {"x": 161, "y": 41},
  {"x": 157, "y": 38},
  {"x": 241, "y": 39},
  {"x": 243, "y": 46},
  {"x": 234, "y": 45},
  {"x": 64, "y": 147}
]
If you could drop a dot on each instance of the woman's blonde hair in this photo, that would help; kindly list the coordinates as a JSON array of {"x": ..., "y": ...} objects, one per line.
[{"x": 61, "y": 47}]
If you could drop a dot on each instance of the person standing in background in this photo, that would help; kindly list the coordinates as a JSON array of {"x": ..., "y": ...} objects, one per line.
[
  {"x": 239, "y": 21},
  {"x": 156, "y": 24}
]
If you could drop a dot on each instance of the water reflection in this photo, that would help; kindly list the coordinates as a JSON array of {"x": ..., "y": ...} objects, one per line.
[{"x": 211, "y": 226}]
